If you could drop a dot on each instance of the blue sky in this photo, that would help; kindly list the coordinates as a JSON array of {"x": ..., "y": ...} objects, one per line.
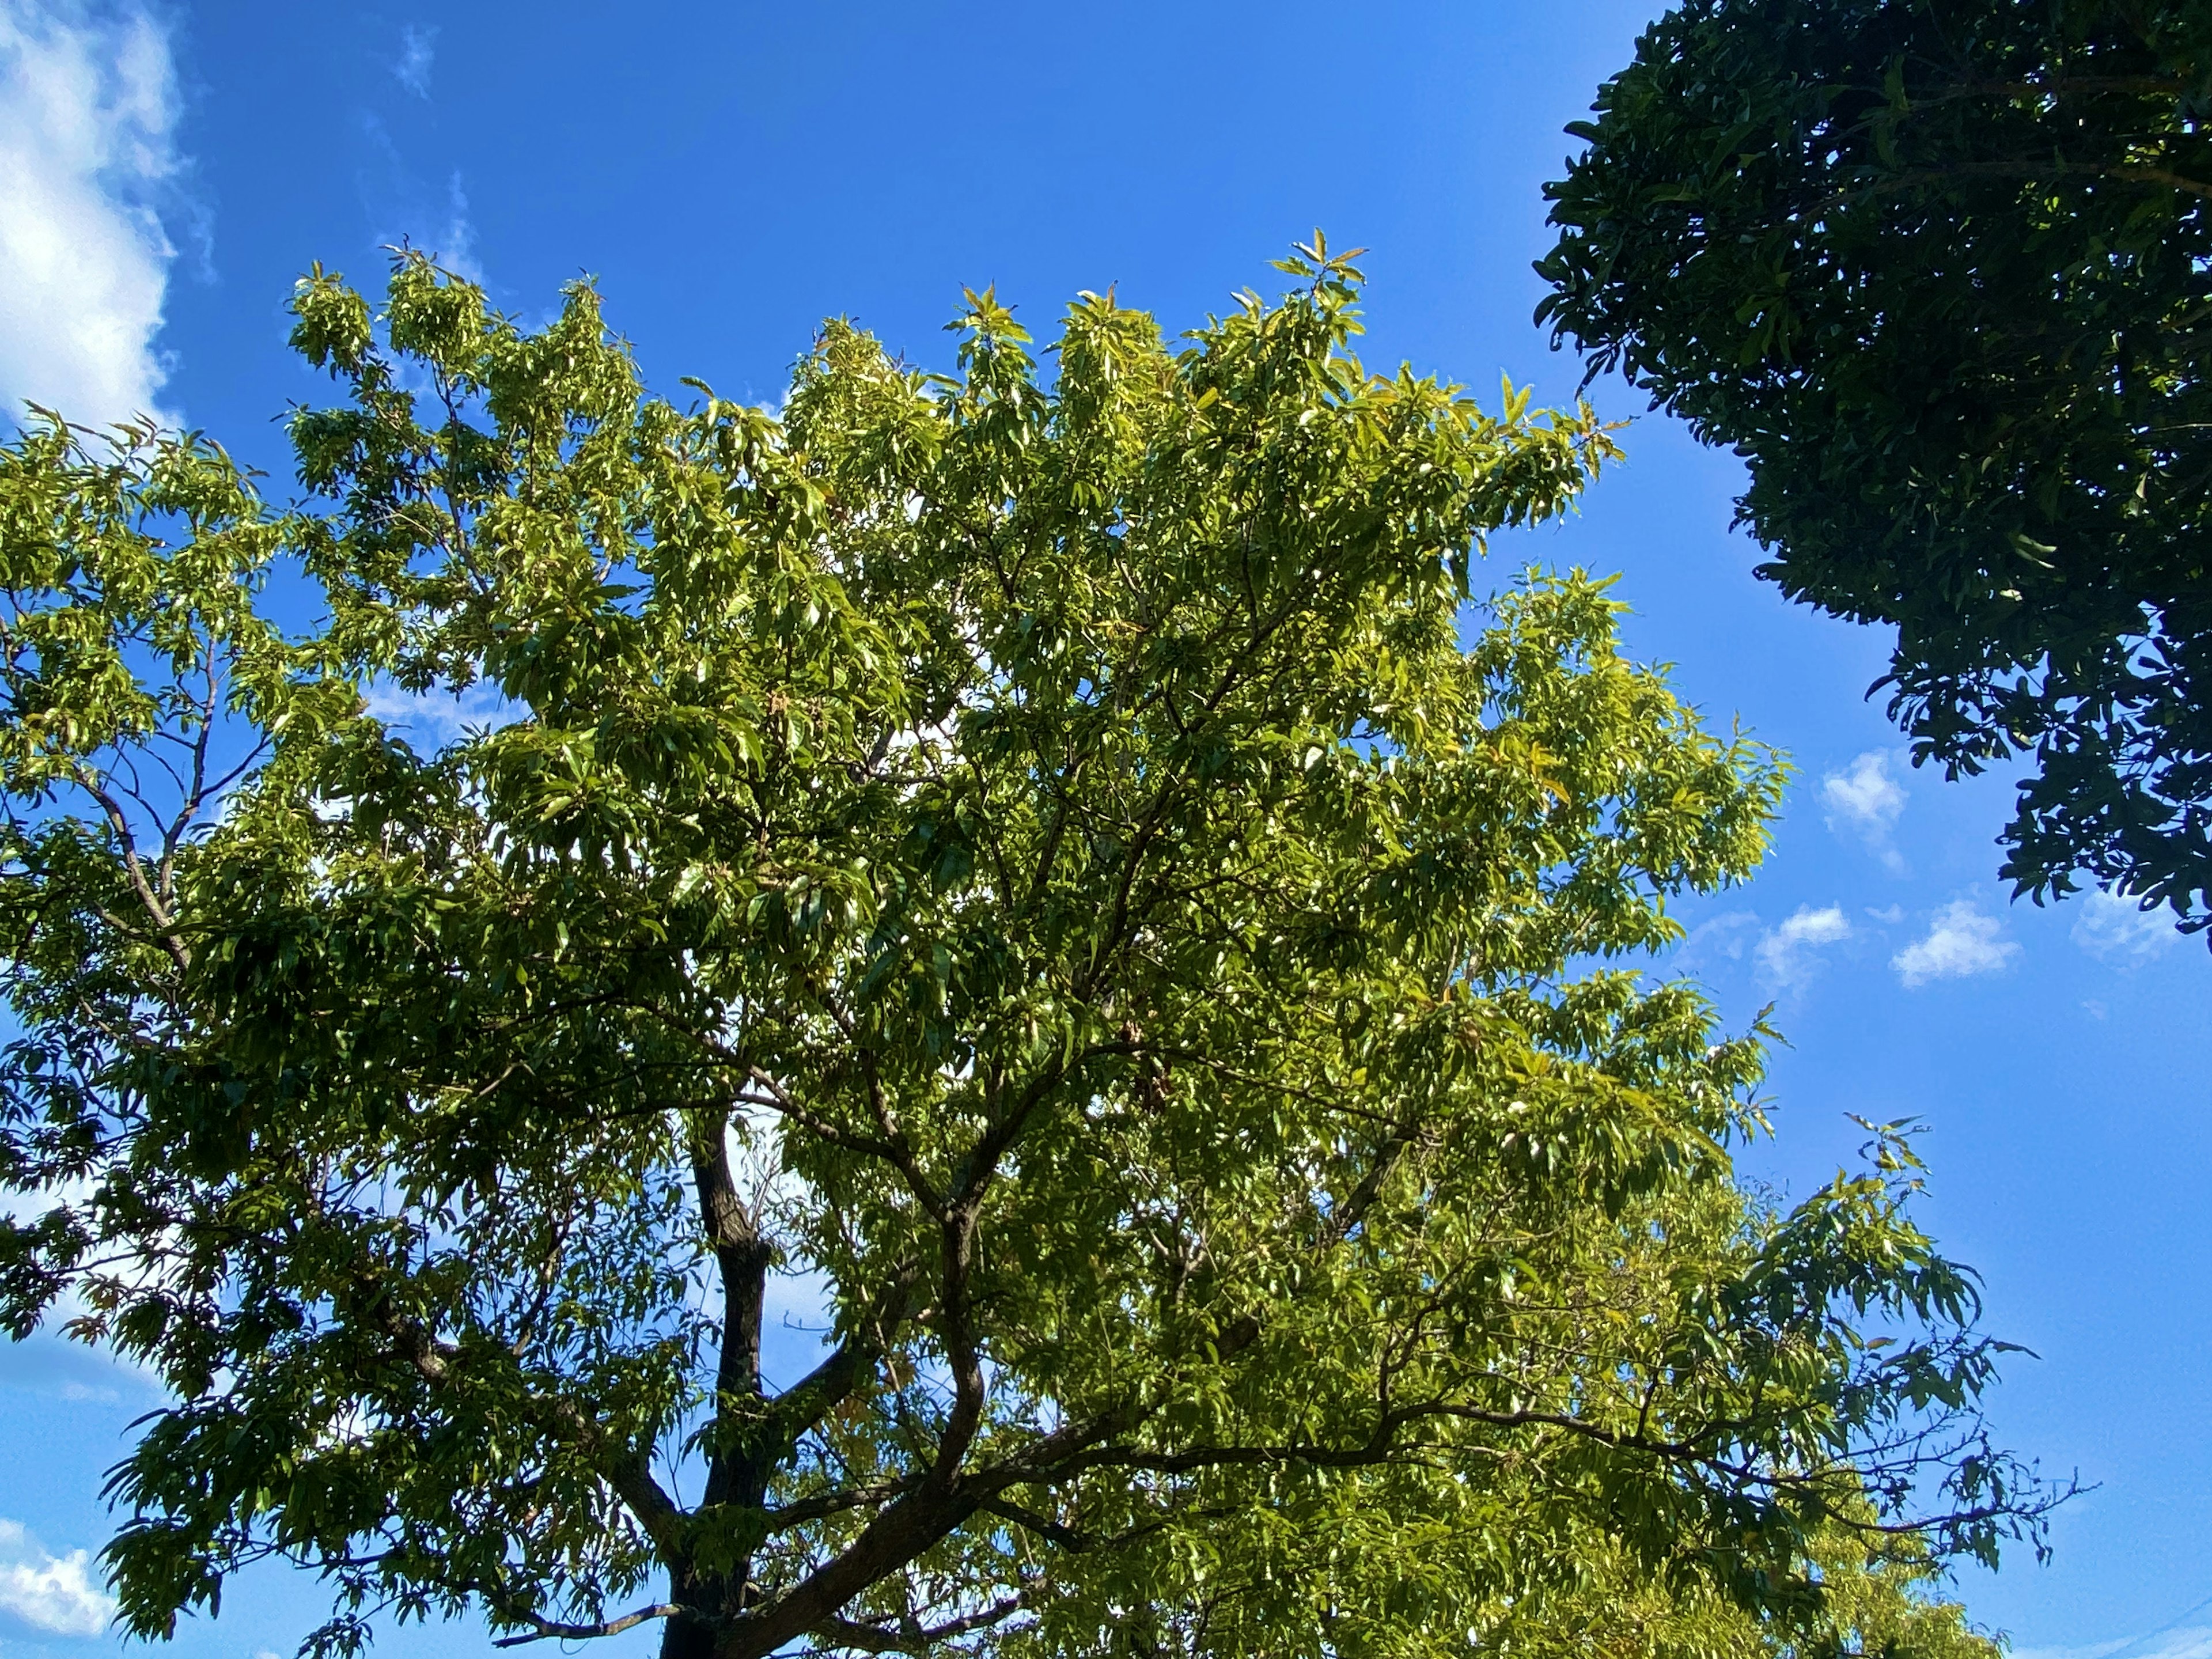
[{"x": 733, "y": 173}]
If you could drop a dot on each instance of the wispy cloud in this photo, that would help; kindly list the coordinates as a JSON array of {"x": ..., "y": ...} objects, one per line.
[
  {"x": 2115, "y": 928},
  {"x": 87, "y": 116},
  {"x": 2192, "y": 1642},
  {"x": 2088, "y": 1650},
  {"x": 406, "y": 209},
  {"x": 1787, "y": 955},
  {"x": 1865, "y": 799},
  {"x": 418, "y": 52},
  {"x": 1960, "y": 943},
  {"x": 1728, "y": 935},
  {"x": 47, "y": 1367},
  {"x": 455, "y": 246},
  {"x": 433, "y": 720},
  {"x": 55, "y": 1592}
]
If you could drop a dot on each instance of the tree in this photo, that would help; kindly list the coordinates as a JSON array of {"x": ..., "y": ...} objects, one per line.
[
  {"x": 1940, "y": 270},
  {"x": 1036, "y": 863}
]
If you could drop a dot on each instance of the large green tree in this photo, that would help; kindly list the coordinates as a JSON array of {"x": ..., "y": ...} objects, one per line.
[
  {"x": 1940, "y": 270},
  {"x": 1033, "y": 862}
]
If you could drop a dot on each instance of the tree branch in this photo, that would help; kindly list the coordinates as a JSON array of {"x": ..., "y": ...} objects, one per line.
[
  {"x": 120, "y": 824},
  {"x": 741, "y": 1258},
  {"x": 547, "y": 1629}
]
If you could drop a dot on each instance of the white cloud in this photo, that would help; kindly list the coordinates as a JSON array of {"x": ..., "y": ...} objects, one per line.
[
  {"x": 1961, "y": 942},
  {"x": 1866, "y": 799},
  {"x": 418, "y": 49},
  {"x": 1864, "y": 796},
  {"x": 88, "y": 109},
  {"x": 54, "y": 1592},
  {"x": 1785, "y": 954},
  {"x": 2117, "y": 929},
  {"x": 430, "y": 719},
  {"x": 1730, "y": 935},
  {"x": 1785, "y": 957}
]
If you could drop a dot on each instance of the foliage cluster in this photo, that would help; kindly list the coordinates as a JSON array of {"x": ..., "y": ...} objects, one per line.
[{"x": 1940, "y": 270}]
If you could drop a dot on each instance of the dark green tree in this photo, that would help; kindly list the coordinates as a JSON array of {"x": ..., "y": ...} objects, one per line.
[
  {"x": 1941, "y": 271},
  {"x": 1037, "y": 861}
]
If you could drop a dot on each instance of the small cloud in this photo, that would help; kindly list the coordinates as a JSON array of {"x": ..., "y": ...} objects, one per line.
[
  {"x": 53, "y": 1592},
  {"x": 1866, "y": 799},
  {"x": 457, "y": 242},
  {"x": 1889, "y": 915},
  {"x": 2115, "y": 928},
  {"x": 1960, "y": 943},
  {"x": 2096, "y": 1007},
  {"x": 1729, "y": 936},
  {"x": 427, "y": 718},
  {"x": 418, "y": 49},
  {"x": 1785, "y": 955}
]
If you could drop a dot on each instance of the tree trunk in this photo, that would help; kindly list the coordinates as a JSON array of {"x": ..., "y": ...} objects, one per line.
[
  {"x": 732, "y": 1477},
  {"x": 692, "y": 1635}
]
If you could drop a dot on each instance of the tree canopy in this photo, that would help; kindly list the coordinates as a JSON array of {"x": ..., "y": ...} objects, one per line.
[
  {"x": 1048, "y": 869},
  {"x": 1940, "y": 270}
]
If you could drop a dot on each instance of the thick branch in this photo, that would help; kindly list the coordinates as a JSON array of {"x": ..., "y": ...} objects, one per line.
[
  {"x": 741, "y": 1256},
  {"x": 897, "y": 1535},
  {"x": 956, "y": 1328}
]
